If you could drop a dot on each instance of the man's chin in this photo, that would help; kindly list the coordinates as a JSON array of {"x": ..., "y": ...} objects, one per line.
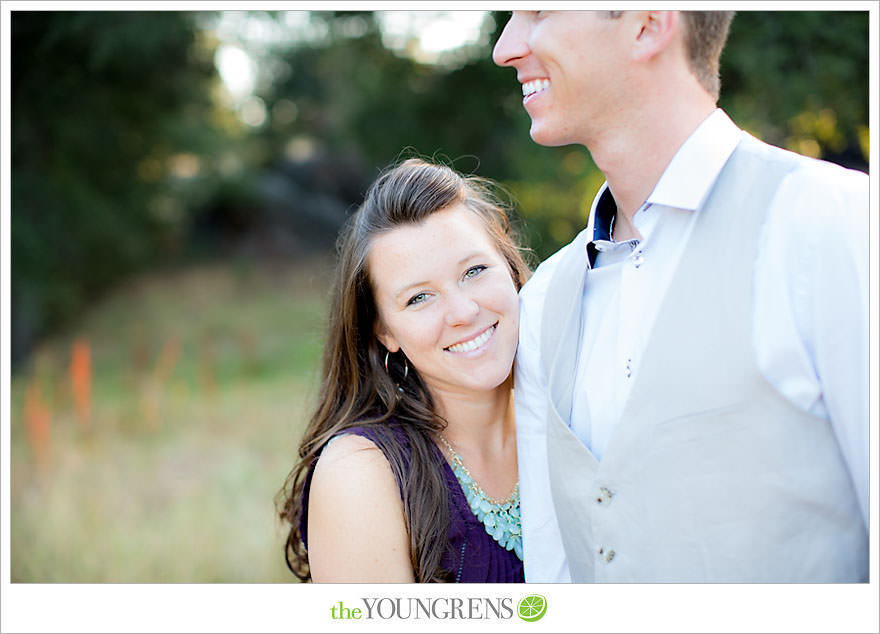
[{"x": 547, "y": 139}]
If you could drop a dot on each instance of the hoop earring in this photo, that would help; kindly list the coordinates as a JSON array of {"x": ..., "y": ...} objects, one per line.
[{"x": 405, "y": 367}]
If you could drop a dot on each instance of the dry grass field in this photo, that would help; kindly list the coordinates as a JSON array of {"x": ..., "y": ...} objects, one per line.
[{"x": 148, "y": 443}]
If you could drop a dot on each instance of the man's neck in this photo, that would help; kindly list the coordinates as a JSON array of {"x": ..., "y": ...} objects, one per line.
[{"x": 634, "y": 157}]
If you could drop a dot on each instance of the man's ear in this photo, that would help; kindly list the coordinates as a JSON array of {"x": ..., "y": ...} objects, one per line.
[
  {"x": 656, "y": 30},
  {"x": 385, "y": 337}
]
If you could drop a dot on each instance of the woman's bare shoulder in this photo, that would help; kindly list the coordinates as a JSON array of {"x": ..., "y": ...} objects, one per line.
[
  {"x": 353, "y": 464},
  {"x": 357, "y": 530}
]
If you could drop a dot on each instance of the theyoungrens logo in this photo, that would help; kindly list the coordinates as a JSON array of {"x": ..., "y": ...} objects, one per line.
[
  {"x": 532, "y": 607},
  {"x": 529, "y": 608}
]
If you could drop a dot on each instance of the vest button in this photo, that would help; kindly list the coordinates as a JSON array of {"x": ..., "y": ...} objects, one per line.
[
  {"x": 607, "y": 554},
  {"x": 604, "y": 496}
]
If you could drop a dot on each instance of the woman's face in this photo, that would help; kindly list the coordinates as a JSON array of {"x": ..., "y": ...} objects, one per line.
[{"x": 446, "y": 298}]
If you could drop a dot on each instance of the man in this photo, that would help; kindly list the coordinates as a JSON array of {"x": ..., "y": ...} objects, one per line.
[{"x": 692, "y": 374}]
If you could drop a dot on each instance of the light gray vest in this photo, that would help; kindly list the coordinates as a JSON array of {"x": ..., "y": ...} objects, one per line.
[{"x": 710, "y": 474}]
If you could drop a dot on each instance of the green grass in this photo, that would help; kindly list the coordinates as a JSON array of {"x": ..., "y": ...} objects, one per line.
[{"x": 174, "y": 476}]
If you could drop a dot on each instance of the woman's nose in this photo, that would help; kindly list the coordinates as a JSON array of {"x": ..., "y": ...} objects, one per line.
[{"x": 461, "y": 309}]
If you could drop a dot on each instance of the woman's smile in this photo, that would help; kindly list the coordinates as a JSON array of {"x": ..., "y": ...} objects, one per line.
[
  {"x": 454, "y": 315},
  {"x": 476, "y": 343}
]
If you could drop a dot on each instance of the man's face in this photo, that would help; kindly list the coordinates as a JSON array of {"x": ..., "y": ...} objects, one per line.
[{"x": 567, "y": 64}]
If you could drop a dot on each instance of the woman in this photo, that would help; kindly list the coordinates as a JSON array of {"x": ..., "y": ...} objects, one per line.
[{"x": 407, "y": 470}]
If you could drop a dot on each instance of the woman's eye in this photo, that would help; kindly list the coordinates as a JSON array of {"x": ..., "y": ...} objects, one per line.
[
  {"x": 416, "y": 299},
  {"x": 474, "y": 270}
]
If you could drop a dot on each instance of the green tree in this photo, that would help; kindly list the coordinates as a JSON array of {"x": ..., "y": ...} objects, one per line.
[
  {"x": 104, "y": 106},
  {"x": 118, "y": 143},
  {"x": 799, "y": 79}
]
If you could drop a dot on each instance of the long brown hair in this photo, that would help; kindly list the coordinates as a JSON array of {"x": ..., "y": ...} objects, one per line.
[{"x": 357, "y": 390}]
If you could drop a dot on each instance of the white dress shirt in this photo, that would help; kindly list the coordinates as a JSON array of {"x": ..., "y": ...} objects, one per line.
[{"x": 810, "y": 317}]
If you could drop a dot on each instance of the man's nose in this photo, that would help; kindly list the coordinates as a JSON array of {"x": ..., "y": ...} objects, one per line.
[{"x": 512, "y": 44}]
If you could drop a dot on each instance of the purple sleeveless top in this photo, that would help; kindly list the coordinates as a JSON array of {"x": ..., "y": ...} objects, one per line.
[{"x": 472, "y": 555}]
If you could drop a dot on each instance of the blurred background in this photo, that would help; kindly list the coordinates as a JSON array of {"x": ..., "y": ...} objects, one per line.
[{"x": 178, "y": 180}]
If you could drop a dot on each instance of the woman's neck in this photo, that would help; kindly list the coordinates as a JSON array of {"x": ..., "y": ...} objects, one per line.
[{"x": 481, "y": 422}]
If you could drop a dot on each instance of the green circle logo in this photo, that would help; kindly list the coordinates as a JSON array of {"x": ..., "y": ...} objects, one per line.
[{"x": 532, "y": 607}]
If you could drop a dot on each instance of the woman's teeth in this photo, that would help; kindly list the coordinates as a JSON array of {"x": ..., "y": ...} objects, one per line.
[{"x": 474, "y": 343}]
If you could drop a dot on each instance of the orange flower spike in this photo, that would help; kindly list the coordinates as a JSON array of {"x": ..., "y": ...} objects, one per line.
[
  {"x": 81, "y": 379},
  {"x": 168, "y": 358},
  {"x": 36, "y": 416}
]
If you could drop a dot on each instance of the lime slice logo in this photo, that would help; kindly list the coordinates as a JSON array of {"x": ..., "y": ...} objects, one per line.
[{"x": 532, "y": 607}]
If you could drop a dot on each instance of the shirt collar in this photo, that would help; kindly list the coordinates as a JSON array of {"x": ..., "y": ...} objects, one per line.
[
  {"x": 692, "y": 172},
  {"x": 602, "y": 214},
  {"x": 687, "y": 179}
]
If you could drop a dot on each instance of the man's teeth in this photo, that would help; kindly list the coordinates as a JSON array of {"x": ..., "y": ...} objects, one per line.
[
  {"x": 531, "y": 87},
  {"x": 474, "y": 343}
]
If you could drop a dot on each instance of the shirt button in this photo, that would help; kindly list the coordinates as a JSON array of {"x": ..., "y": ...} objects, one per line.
[
  {"x": 607, "y": 554},
  {"x": 628, "y": 370},
  {"x": 604, "y": 496},
  {"x": 638, "y": 259}
]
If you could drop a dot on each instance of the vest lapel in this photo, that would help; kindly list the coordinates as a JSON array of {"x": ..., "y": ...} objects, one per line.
[
  {"x": 573, "y": 465},
  {"x": 561, "y": 325}
]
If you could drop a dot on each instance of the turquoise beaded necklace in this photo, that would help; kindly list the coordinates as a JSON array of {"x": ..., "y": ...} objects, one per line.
[{"x": 500, "y": 518}]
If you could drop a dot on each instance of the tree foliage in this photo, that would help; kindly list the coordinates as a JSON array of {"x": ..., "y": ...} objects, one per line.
[
  {"x": 121, "y": 149},
  {"x": 100, "y": 102},
  {"x": 800, "y": 80}
]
